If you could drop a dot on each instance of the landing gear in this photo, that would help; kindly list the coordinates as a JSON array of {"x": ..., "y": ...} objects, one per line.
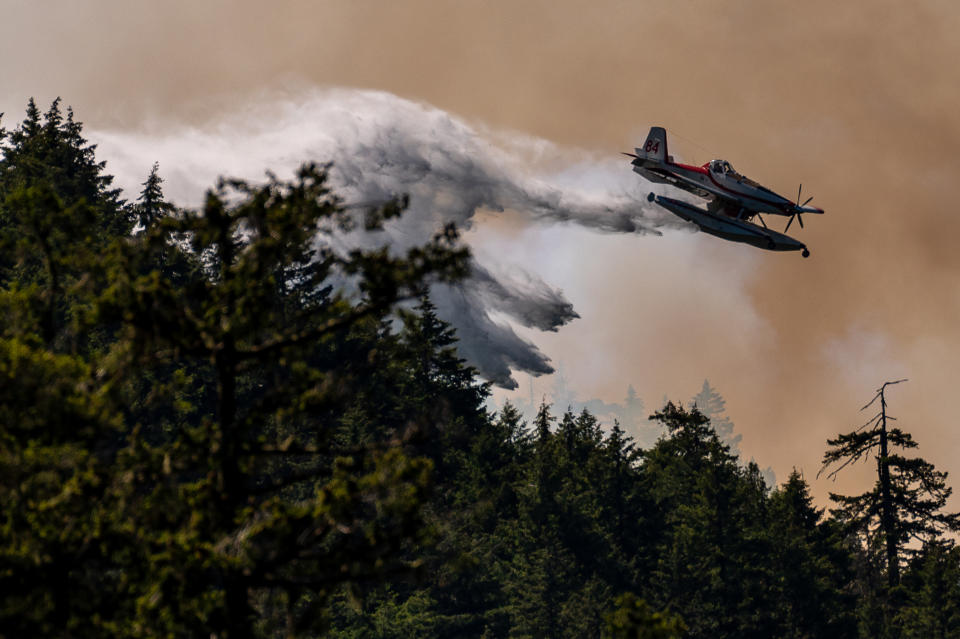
[
  {"x": 805, "y": 253},
  {"x": 650, "y": 197}
]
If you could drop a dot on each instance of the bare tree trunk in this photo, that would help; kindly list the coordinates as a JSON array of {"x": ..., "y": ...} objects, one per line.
[{"x": 887, "y": 514}]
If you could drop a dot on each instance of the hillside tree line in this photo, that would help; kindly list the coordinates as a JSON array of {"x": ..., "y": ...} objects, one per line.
[{"x": 221, "y": 423}]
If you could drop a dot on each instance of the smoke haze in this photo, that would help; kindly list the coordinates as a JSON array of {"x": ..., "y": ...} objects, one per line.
[{"x": 857, "y": 100}]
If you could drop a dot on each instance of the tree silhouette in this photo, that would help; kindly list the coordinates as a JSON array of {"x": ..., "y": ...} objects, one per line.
[
  {"x": 709, "y": 402},
  {"x": 905, "y": 503}
]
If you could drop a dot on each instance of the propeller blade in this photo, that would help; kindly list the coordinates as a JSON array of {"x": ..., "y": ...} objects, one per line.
[
  {"x": 800, "y": 219},
  {"x": 789, "y": 223},
  {"x": 799, "y": 190},
  {"x": 807, "y": 202}
]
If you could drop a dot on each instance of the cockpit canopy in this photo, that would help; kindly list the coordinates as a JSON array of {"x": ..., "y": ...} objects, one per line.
[{"x": 723, "y": 167}]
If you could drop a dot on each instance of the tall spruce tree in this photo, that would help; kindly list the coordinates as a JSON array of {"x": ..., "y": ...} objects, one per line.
[
  {"x": 708, "y": 557},
  {"x": 931, "y": 585},
  {"x": 709, "y": 402},
  {"x": 907, "y": 501},
  {"x": 812, "y": 592},
  {"x": 50, "y": 150},
  {"x": 58, "y": 214},
  {"x": 151, "y": 206}
]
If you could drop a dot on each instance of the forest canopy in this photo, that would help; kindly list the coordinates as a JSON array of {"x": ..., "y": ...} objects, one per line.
[{"x": 222, "y": 423}]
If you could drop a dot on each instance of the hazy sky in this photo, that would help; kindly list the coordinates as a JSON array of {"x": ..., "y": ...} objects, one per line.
[{"x": 858, "y": 101}]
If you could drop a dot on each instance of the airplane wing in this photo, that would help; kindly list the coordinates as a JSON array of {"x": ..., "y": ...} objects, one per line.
[{"x": 660, "y": 176}]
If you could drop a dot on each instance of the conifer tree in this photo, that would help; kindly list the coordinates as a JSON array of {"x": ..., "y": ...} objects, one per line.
[
  {"x": 908, "y": 498},
  {"x": 151, "y": 206},
  {"x": 709, "y": 402},
  {"x": 274, "y": 387},
  {"x": 931, "y": 586},
  {"x": 52, "y": 151},
  {"x": 814, "y": 568},
  {"x": 709, "y": 561},
  {"x": 58, "y": 214},
  {"x": 185, "y": 482}
]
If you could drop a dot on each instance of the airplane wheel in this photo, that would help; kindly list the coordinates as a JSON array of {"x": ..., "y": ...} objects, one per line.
[
  {"x": 805, "y": 253},
  {"x": 650, "y": 197}
]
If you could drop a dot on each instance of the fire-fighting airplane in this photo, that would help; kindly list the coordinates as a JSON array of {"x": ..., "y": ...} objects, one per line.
[{"x": 734, "y": 199}]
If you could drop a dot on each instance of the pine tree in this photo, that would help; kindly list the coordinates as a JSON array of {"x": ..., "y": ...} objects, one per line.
[
  {"x": 151, "y": 206},
  {"x": 634, "y": 619},
  {"x": 710, "y": 560},
  {"x": 53, "y": 152},
  {"x": 906, "y": 502},
  {"x": 66, "y": 552},
  {"x": 813, "y": 566},
  {"x": 58, "y": 215},
  {"x": 235, "y": 510},
  {"x": 709, "y": 402},
  {"x": 931, "y": 587}
]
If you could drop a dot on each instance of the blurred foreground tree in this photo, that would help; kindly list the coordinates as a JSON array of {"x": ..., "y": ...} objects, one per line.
[
  {"x": 251, "y": 505},
  {"x": 182, "y": 474}
]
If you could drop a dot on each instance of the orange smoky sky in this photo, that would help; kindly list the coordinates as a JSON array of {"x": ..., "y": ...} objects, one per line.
[{"x": 858, "y": 101}]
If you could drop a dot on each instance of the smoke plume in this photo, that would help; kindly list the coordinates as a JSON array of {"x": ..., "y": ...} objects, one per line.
[{"x": 381, "y": 146}]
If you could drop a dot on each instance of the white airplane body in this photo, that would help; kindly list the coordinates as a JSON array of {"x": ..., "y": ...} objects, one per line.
[{"x": 734, "y": 198}]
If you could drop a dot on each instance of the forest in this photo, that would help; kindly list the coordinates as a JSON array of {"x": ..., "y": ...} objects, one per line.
[{"x": 226, "y": 422}]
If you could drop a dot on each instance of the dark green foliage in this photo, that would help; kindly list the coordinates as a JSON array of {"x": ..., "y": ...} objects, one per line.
[
  {"x": 906, "y": 502},
  {"x": 813, "y": 565},
  {"x": 904, "y": 507},
  {"x": 287, "y": 515},
  {"x": 63, "y": 538},
  {"x": 51, "y": 152},
  {"x": 711, "y": 560},
  {"x": 633, "y": 619},
  {"x": 931, "y": 593},
  {"x": 150, "y": 207}
]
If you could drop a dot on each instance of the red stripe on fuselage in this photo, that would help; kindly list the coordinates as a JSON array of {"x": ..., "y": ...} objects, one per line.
[
  {"x": 739, "y": 196},
  {"x": 695, "y": 169}
]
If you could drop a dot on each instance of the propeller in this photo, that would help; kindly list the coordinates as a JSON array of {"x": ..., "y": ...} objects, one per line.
[{"x": 799, "y": 206}]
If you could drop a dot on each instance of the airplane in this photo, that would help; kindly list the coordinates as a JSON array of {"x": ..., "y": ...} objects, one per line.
[{"x": 734, "y": 199}]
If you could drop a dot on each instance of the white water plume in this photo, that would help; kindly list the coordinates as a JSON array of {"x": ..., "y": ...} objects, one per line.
[{"x": 382, "y": 145}]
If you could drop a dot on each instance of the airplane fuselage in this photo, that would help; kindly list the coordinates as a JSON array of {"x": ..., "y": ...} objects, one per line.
[{"x": 717, "y": 180}]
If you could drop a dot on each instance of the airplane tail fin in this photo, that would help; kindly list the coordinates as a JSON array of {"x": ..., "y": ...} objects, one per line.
[{"x": 655, "y": 148}]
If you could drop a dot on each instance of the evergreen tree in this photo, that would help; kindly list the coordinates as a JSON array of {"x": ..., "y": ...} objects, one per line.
[
  {"x": 710, "y": 560},
  {"x": 58, "y": 214},
  {"x": 237, "y": 513},
  {"x": 905, "y": 505},
  {"x": 931, "y": 590},
  {"x": 709, "y": 402},
  {"x": 633, "y": 619},
  {"x": 906, "y": 501},
  {"x": 51, "y": 151},
  {"x": 812, "y": 564},
  {"x": 151, "y": 206},
  {"x": 633, "y": 419},
  {"x": 66, "y": 553},
  {"x": 204, "y": 433}
]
